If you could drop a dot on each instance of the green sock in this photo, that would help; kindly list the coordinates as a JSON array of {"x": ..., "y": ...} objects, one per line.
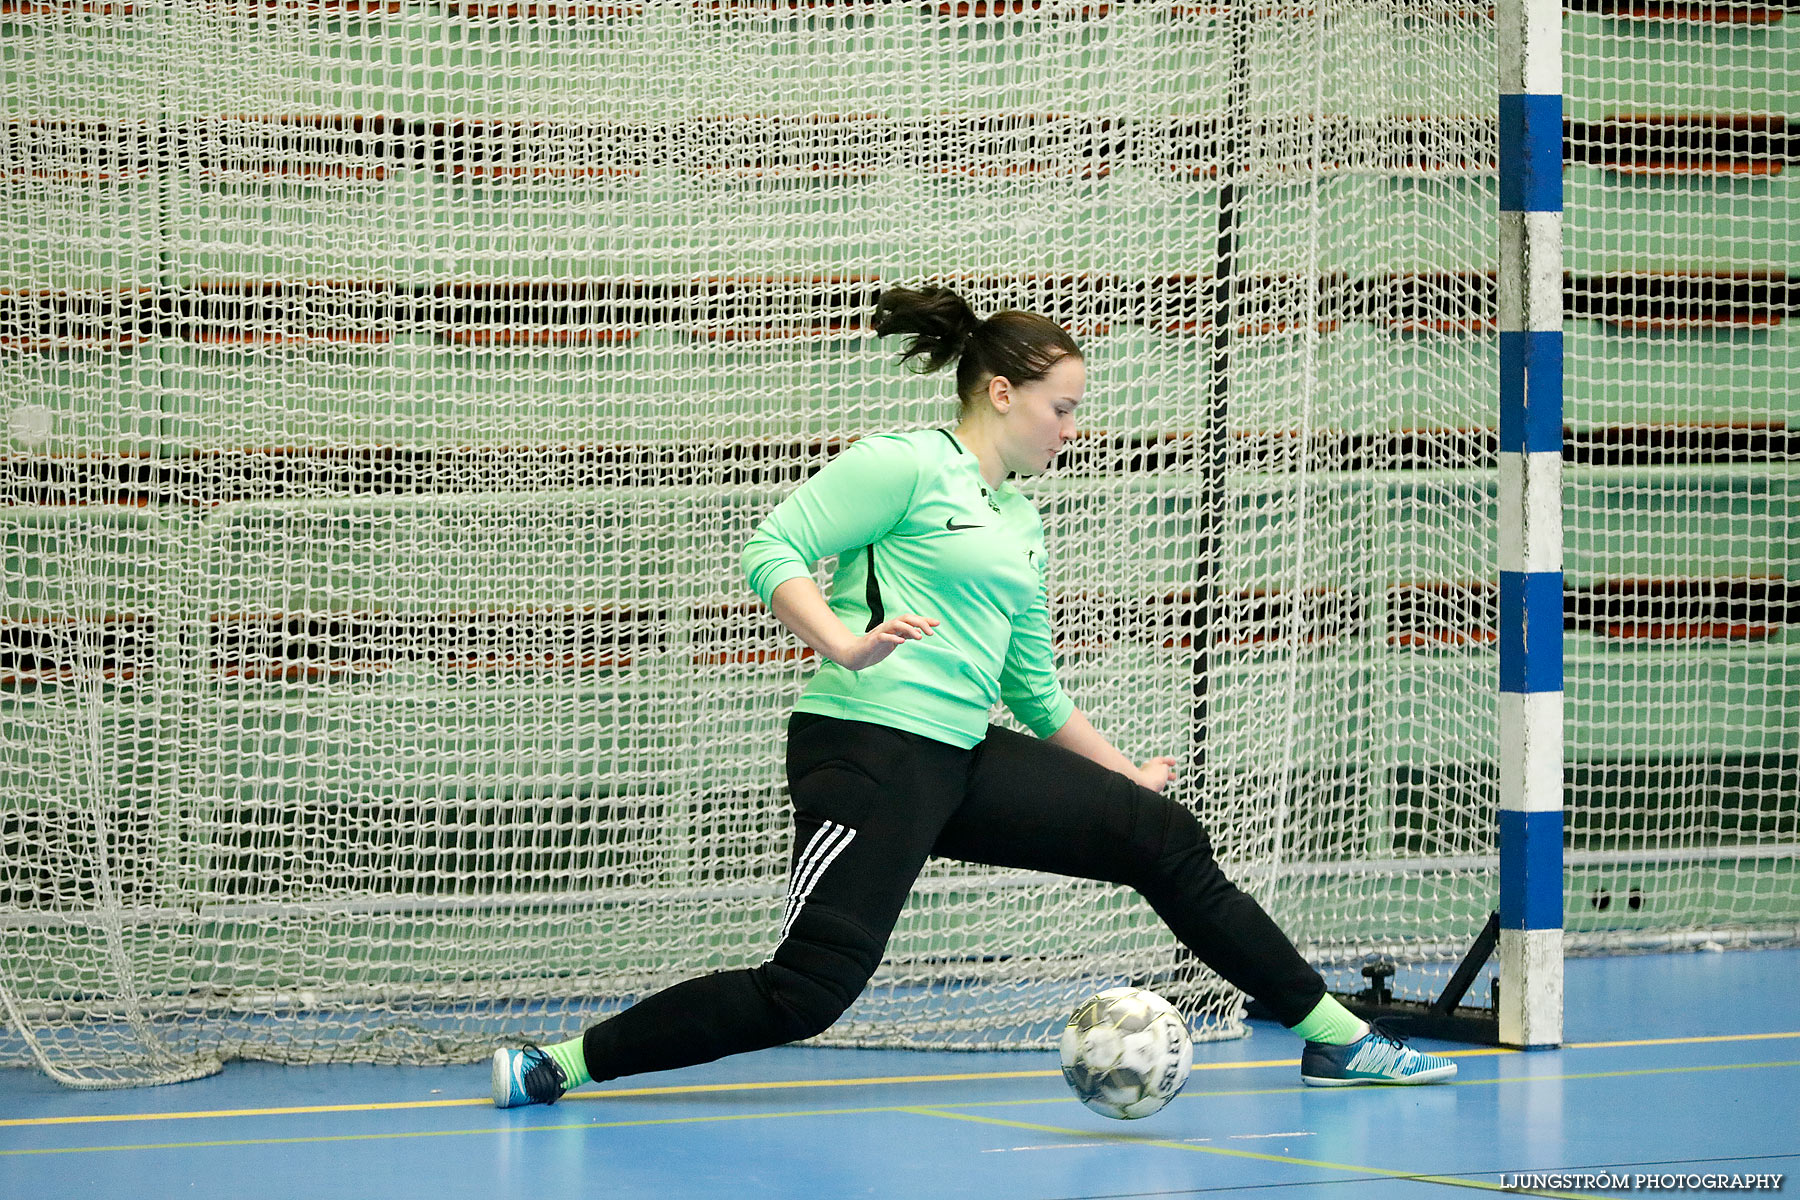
[
  {"x": 573, "y": 1062},
  {"x": 1331, "y": 1024}
]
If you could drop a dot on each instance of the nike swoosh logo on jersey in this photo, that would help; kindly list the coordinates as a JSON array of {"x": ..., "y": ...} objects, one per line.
[{"x": 952, "y": 526}]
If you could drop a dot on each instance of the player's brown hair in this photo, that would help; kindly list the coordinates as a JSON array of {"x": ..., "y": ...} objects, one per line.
[{"x": 1014, "y": 345}]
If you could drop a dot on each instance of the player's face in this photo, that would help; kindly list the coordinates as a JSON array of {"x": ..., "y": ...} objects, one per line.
[{"x": 1041, "y": 418}]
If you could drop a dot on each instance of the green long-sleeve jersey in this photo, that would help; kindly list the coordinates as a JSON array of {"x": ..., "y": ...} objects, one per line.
[{"x": 917, "y": 530}]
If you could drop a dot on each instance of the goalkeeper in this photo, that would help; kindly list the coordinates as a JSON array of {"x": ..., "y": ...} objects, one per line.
[{"x": 938, "y": 612}]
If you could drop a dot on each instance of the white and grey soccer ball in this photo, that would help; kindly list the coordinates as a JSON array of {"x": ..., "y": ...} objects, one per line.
[{"x": 1126, "y": 1053}]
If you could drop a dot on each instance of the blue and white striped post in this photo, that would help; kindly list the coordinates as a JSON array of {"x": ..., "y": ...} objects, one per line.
[{"x": 1531, "y": 582}]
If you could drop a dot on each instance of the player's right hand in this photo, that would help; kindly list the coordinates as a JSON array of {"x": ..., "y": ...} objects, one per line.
[
  {"x": 1157, "y": 773},
  {"x": 880, "y": 641}
]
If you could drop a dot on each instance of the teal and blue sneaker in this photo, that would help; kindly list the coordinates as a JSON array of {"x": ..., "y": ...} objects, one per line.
[
  {"x": 528, "y": 1076},
  {"x": 1376, "y": 1057}
]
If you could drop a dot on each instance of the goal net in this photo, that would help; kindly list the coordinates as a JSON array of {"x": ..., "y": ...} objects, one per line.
[
  {"x": 391, "y": 387},
  {"x": 1682, "y": 386}
]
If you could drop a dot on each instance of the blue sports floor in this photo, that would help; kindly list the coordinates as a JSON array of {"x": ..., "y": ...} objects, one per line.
[{"x": 1676, "y": 1065}]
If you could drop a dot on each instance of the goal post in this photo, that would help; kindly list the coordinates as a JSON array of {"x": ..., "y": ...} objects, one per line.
[{"x": 1531, "y": 523}]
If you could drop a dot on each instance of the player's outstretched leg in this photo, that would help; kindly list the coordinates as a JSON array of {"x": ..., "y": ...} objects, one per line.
[
  {"x": 1379, "y": 1056},
  {"x": 528, "y": 1076},
  {"x": 868, "y": 804},
  {"x": 1043, "y": 808}
]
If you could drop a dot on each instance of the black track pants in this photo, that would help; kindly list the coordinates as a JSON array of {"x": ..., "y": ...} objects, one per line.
[{"x": 871, "y": 804}]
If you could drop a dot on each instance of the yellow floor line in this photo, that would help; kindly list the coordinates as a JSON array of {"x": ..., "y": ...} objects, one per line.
[
  {"x": 710, "y": 1118},
  {"x": 938, "y": 1110},
  {"x": 1685, "y": 1041},
  {"x": 772, "y": 1085},
  {"x": 295, "y": 1110},
  {"x": 1300, "y": 1088},
  {"x": 1640, "y": 1071},
  {"x": 1226, "y": 1152},
  {"x": 609, "y": 1094}
]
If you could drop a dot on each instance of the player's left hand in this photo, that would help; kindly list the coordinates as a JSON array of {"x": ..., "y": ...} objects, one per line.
[{"x": 1156, "y": 773}]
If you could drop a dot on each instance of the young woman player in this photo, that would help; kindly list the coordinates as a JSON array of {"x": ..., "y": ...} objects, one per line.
[{"x": 938, "y": 611}]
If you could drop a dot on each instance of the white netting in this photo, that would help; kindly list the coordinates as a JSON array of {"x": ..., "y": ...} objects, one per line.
[
  {"x": 1683, "y": 392},
  {"x": 392, "y": 386}
]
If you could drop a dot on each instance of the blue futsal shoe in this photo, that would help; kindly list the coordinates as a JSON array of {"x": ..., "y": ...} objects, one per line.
[
  {"x": 528, "y": 1076},
  {"x": 1376, "y": 1057}
]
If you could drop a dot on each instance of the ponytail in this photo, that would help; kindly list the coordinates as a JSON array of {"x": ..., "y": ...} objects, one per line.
[
  {"x": 939, "y": 320},
  {"x": 1018, "y": 346}
]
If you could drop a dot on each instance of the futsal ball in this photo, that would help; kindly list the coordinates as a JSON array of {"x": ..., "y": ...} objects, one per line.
[{"x": 1126, "y": 1053}]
